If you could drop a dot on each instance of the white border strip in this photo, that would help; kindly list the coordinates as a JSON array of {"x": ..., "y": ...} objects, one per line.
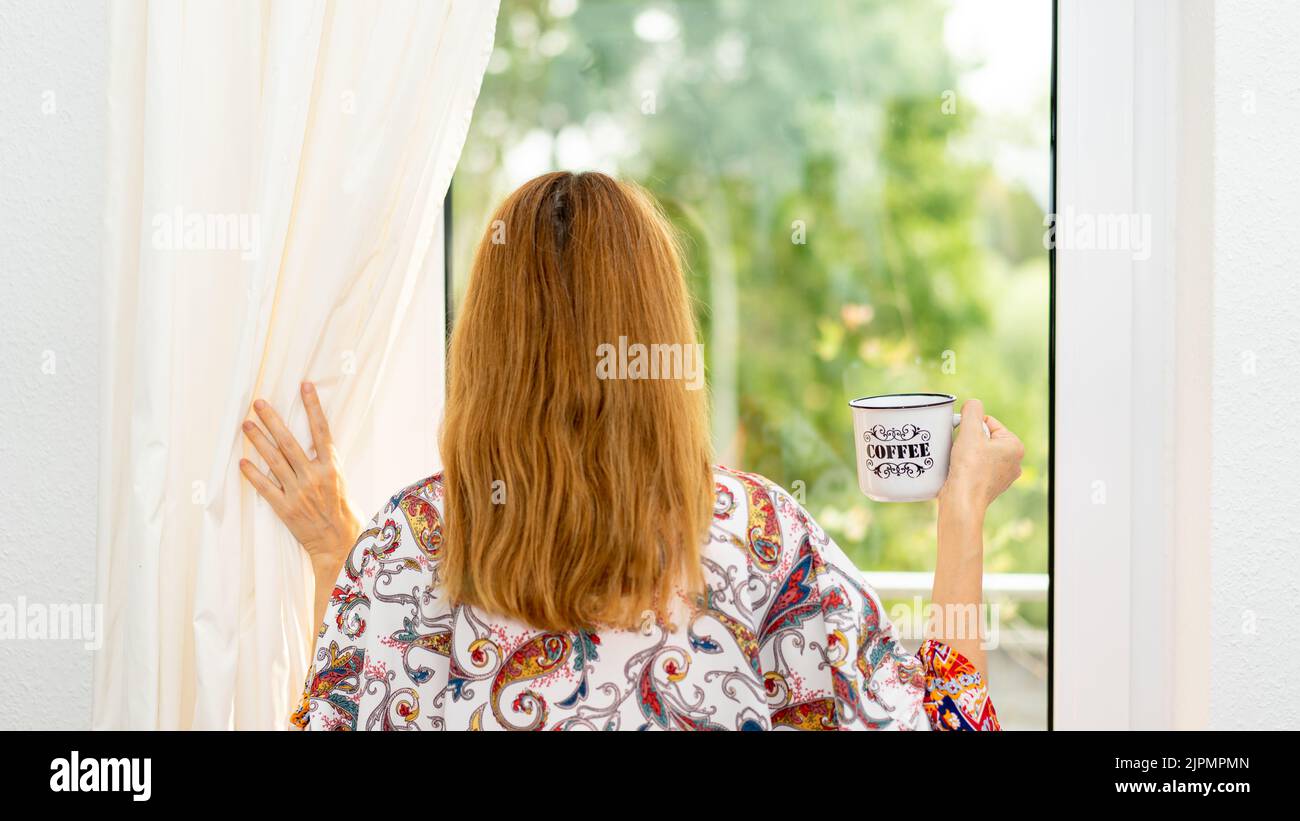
[
  {"x": 1094, "y": 364},
  {"x": 1131, "y": 586}
]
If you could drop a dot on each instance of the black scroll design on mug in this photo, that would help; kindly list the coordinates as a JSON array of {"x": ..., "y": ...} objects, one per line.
[
  {"x": 909, "y": 469},
  {"x": 906, "y": 433}
]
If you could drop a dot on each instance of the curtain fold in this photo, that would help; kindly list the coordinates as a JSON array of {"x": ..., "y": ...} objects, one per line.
[{"x": 276, "y": 180}]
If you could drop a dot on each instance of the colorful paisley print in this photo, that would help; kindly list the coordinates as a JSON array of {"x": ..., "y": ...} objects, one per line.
[{"x": 787, "y": 636}]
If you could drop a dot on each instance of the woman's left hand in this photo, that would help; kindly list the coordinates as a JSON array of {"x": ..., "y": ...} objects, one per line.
[{"x": 308, "y": 494}]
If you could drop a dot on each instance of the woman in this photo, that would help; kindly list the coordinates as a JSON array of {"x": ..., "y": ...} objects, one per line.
[{"x": 578, "y": 564}]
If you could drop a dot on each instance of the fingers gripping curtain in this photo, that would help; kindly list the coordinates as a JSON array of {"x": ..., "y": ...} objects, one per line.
[{"x": 276, "y": 179}]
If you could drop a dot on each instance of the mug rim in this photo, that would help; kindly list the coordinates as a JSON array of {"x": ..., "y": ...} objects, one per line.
[{"x": 946, "y": 399}]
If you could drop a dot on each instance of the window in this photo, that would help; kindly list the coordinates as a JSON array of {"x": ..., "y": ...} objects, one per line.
[{"x": 862, "y": 186}]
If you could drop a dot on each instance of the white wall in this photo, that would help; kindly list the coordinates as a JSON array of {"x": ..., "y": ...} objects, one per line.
[
  {"x": 52, "y": 182},
  {"x": 1255, "y": 493}
]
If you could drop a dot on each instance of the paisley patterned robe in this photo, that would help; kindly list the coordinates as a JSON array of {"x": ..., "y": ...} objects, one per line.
[{"x": 788, "y": 636}]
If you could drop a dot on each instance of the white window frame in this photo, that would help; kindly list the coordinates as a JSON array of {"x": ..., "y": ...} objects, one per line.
[{"x": 1130, "y": 592}]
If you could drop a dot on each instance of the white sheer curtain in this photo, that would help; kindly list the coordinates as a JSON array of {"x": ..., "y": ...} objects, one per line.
[{"x": 276, "y": 179}]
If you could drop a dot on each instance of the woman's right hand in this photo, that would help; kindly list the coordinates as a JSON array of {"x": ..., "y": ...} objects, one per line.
[
  {"x": 307, "y": 494},
  {"x": 980, "y": 467}
]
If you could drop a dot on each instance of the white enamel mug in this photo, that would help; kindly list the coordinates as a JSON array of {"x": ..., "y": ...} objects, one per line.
[{"x": 903, "y": 442}]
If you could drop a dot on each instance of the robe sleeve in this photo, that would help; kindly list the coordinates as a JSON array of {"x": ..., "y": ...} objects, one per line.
[
  {"x": 331, "y": 696},
  {"x": 956, "y": 696},
  {"x": 832, "y": 641}
]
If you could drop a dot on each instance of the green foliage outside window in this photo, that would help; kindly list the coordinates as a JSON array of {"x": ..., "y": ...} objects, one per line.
[{"x": 845, "y": 229}]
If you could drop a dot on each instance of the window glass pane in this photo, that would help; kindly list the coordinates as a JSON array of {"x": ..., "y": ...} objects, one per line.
[{"x": 862, "y": 184}]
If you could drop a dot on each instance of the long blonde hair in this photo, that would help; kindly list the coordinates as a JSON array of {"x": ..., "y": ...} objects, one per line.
[{"x": 573, "y": 501}]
